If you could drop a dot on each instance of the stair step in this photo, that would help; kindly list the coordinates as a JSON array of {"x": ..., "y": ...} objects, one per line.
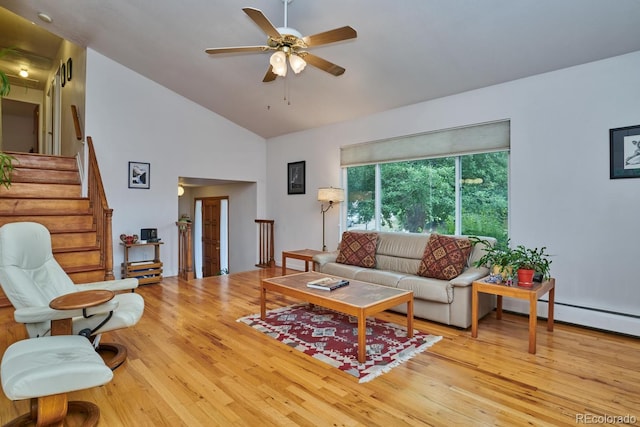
[
  {"x": 17, "y": 206},
  {"x": 44, "y": 161},
  {"x": 41, "y": 190},
  {"x": 61, "y": 242},
  {"x": 47, "y": 176},
  {"x": 76, "y": 259},
  {"x": 56, "y": 223}
]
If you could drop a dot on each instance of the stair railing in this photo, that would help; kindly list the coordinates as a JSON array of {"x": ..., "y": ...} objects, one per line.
[
  {"x": 265, "y": 243},
  {"x": 102, "y": 214}
]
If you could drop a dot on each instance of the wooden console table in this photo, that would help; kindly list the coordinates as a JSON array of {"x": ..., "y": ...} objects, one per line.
[
  {"x": 305, "y": 255},
  {"x": 532, "y": 294},
  {"x": 147, "y": 271}
]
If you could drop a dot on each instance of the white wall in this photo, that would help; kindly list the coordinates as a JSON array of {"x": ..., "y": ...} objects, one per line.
[
  {"x": 73, "y": 93},
  {"x": 131, "y": 118},
  {"x": 560, "y": 192}
]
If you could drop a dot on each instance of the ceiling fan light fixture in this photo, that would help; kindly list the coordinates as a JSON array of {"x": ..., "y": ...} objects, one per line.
[
  {"x": 278, "y": 62},
  {"x": 297, "y": 63}
]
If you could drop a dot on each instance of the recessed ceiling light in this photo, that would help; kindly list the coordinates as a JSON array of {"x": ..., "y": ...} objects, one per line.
[{"x": 45, "y": 18}]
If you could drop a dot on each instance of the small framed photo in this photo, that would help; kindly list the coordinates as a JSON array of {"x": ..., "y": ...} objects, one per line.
[
  {"x": 139, "y": 175},
  {"x": 295, "y": 178},
  {"x": 624, "y": 152}
]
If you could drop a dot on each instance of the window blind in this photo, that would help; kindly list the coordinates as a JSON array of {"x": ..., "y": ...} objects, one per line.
[{"x": 485, "y": 137}]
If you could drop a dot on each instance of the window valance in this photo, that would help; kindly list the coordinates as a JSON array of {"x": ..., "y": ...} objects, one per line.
[{"x": 481, "y": 138}]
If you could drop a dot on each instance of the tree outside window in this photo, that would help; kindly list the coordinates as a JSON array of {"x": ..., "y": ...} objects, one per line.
[{"x": 420, "y": 195}]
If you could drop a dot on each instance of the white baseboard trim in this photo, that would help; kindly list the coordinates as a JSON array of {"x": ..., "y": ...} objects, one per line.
[{"x": 580, "y": 316}]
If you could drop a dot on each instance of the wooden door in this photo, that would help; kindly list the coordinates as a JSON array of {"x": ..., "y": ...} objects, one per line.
[{"x": 210, "y": 237}]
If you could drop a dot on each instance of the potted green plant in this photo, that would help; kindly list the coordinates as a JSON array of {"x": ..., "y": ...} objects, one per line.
[
  {"x": 6, "y": 169},
  {"x": 528, "y": 261},
  {"x": 498, "y": 258}
]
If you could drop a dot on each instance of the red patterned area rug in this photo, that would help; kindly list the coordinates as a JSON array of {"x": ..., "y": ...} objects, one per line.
[{"x": 332, "y": 337}]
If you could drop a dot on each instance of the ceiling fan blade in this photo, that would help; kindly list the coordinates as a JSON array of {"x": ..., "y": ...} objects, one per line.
[
  {"x": 270, "y": 75},
  {"x": 239, "y": 49},
  {"x": 323, "y": 64},
  {"x": 258, "y": 17},
  {"x": 331, "y": 36}
]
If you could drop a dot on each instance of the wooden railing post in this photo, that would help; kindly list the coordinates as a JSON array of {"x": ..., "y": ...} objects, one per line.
[
  {"x": 266, "y": 243},
  {"x": 102, "y": 214},
  {"x": 185, "y": 251}
]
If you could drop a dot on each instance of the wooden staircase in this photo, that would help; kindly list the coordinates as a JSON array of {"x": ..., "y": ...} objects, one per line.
[{"x": 47, "y": 189}]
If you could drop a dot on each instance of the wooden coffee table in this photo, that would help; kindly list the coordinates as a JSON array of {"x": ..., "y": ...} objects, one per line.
[{"x": 359, "y": 299}]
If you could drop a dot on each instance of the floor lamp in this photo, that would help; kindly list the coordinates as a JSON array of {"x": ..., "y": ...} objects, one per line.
[{"x": 328, "y": 195}]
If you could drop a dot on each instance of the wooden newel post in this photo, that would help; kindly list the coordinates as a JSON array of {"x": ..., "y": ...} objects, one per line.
[{"x": 185, "y": 251}]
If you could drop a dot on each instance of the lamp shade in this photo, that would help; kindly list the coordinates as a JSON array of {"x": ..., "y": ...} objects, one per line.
[
  {"x": 278, "y": 63},
  {"x": 330, "y": 194},
  {"x": 297, "y": 63}
]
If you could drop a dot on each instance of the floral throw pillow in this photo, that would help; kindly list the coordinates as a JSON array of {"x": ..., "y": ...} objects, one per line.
[
  {"x": 358, "y": 249},
  {"x": 444, "y": 257}
]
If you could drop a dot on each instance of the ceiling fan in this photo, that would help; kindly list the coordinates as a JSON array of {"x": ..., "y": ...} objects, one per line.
[{"x": 288, "y": 43}]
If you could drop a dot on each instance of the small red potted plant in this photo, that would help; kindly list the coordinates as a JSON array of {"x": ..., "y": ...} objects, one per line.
[{"x": 529, "y": 261}]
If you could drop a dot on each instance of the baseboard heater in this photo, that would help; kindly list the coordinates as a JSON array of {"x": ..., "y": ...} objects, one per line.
[{"x": 586, "y": 317}]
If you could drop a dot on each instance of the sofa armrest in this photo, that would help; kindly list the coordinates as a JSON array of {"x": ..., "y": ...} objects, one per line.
[
  {"x": 325, "y": 257},
  {"x": 469, "y": 276}
]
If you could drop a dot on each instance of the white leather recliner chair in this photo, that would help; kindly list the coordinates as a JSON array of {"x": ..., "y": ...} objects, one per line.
[{"x": 31, "y": 277}]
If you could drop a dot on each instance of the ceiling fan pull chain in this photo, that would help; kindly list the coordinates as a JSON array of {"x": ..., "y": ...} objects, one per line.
[{"x": 285, "y": 89}]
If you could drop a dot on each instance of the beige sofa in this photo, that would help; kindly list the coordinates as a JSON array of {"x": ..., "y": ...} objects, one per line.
[{"x": 398, "y": 257}]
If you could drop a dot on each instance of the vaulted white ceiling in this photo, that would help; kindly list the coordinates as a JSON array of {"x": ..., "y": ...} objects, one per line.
[{"x": 407, "y": 51}]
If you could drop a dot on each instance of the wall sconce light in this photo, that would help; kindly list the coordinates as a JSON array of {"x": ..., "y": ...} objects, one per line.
[
  {"x": 180, "y": 190},
  {"x": 24, "y": 73},
  {"x": 328, "y": 195}
]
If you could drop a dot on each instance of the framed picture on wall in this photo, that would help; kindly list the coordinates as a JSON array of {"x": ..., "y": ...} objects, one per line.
[
  {"x": 296, "y": 178},
  {"x": 139, "y": 175},
  {"x": 624, "y": 152}
]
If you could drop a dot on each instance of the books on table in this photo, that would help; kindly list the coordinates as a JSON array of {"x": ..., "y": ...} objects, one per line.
[{"x": 327, "y": 283}]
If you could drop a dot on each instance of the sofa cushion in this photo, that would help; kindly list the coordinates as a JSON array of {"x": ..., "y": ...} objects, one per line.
[
  {"x": 425, "y": 288},
  {"x": 358, "y": 249},
  {"x": 341, "y": 270},
  {"x": 379, "y": 277},
  {"x": 445, "y": 257}
]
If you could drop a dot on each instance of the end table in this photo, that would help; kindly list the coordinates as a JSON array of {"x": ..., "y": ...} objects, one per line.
[
  {"x": 305, "y": 255},
  {"x": 532, "y": 294}
]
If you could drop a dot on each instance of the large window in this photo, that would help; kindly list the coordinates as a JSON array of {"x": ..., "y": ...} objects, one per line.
[{"x": 465, "y": 194}]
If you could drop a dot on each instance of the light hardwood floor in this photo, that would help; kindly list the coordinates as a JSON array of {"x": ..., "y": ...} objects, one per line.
[{"x": 191, "y": 364}]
